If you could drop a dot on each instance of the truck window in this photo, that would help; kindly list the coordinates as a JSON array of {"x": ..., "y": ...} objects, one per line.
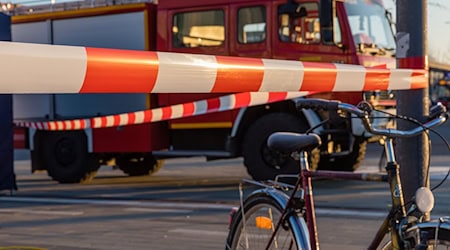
[
  {"x": 369, "y": 24},
  {"x": 198, "y": 29},
  {"x": 251, "y": 24},
  {"x": 303, "y": 29}
]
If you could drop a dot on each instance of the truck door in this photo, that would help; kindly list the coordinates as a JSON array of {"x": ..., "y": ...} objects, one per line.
[{"x": 297, "y": 34}]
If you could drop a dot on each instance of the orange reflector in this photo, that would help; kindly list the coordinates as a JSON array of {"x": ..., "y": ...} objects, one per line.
[{"x": 263, "y": 222}]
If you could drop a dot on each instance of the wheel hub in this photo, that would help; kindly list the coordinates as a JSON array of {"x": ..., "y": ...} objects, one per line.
[
  {"x": 65, "y": 151},
  {"x": 274, "y": 158}
]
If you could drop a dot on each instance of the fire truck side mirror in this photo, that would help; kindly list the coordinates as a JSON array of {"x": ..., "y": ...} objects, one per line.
[
  {"x": 327, "y": 13},
  {"x": 294, "y": 10}
]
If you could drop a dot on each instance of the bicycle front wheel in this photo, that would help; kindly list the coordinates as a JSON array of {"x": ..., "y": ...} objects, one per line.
[
  {"x": 252, "y": 227},
  {"x": 434, "y": 235}
]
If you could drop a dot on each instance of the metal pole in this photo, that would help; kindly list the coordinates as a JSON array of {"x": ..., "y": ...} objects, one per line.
[
  {"x": 7, "y": 176},
  {"x": 412, "y": 153}
]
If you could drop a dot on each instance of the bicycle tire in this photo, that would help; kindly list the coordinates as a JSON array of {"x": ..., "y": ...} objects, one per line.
[
  {"x": 433, "y": 235},
  {"x": 262, "y": 210}
]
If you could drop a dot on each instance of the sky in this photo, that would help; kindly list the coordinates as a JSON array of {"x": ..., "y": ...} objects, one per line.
[
  {"x": 438, "y": 19},
  {"x": 438, "y": 26}
]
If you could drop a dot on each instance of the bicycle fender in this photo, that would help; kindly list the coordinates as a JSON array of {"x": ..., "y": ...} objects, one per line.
[{"x": 298, "y": 223}]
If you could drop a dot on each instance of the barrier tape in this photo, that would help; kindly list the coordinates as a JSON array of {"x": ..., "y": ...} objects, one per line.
[
  {"x": 223, "y": 103},
  {"x": 40, "y": 68}
]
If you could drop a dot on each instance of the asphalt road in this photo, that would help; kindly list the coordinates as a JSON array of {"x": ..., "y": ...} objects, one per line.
[{"x": 184, "y": 206}]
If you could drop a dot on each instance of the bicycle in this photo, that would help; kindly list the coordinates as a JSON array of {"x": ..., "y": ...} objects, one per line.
[{"x": 282, "y": 216}]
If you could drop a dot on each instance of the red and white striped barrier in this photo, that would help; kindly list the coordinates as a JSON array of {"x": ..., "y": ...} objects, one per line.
[
  {"x": 38, "y": 68},
  {"x": 212, "y": 105}
]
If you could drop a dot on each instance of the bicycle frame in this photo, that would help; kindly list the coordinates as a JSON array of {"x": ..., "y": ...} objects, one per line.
[{"x": 393, "y": 178}]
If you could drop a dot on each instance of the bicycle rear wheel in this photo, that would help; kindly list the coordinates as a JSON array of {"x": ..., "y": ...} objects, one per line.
[{"x": 253, "y": 227}]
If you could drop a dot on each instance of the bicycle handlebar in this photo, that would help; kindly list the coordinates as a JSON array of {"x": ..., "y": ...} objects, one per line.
[{"x": 438, "y": 115}]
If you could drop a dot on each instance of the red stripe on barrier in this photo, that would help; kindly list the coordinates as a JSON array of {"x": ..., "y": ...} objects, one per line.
[
  {"x": 213, "y": 104},
  {"x": 116, "y": 120},
  {"x": 318, "y": 76},
  {"x": 419, "y": 80},
  {"x": 275, "y": 96},
  {"x": 242, "y": 99},
  {"x": 248, "y": 72},
  {"x": 131, "y": 118},
  {"x": 103, "y": 121},
  {"x": 120, "y": 71},
  {"x": 148, "y": 115},
  {"x": 188, "y": 109},
  {"x": 166, "y": 113},
  {"x": 376, "y": 79}
]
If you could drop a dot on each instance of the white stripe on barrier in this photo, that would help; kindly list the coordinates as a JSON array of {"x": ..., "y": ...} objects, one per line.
[
  {"x": 402, "y": 79},
  {"x": 182, "y": 70},
  {"x": 200, "y": 107},
  {"x": 227, "y": 102},
  {"x": 123, "y": 119},
  {"x": 287, "y": 75},
  {"x": 157, "y": 115},
  {"x": 350, "y": 77},
  {"x": 139, "y": 117},
  {"x": 177, "y": 111},
  {"x": 258, "y": 98},
  {"x": 59, "y": 68}
]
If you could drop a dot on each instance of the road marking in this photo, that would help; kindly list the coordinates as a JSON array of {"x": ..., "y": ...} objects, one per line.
[
  {"x": 48, "y": 212},
  {"x": 155, "y": 204},
  {"x": 22, "y": 248},
  {"x": 199, "y": 232},
  {"x": 349, "y": 212},
  {"x": 157, "y": 210}
]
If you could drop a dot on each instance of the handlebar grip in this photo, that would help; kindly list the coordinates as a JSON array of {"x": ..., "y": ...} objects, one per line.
[
  {"x": 437, "y": 110},
  {"x": 316, "y": 103}
]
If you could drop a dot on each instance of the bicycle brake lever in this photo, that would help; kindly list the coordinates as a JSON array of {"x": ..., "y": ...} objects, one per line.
[
  {"x": 365, "y": 106},
  {"x": 437, "y": 110}
]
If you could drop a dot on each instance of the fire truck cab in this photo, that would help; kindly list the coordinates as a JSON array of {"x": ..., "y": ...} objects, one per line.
[{"x": 347, "y": 32}]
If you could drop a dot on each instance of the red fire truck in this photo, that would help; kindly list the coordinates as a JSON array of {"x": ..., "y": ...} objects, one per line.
[{"x": 350, "y": 32}]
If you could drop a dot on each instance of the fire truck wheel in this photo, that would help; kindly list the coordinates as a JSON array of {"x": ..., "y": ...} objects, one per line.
[
  {"x": 263, "y": 163},
  {"x": 66, "y": 156},
  {"x": 137, "y": 164},
  {"x": 349, "y": 162}
]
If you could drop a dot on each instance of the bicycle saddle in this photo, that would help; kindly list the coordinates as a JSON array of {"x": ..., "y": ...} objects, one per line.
[{"x": 290, "y": 142}]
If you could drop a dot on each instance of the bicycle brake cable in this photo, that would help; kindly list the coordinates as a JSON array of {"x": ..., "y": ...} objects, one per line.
[
  {"x": 429, "y": 141},
  {"x": 316, "y": 126}
]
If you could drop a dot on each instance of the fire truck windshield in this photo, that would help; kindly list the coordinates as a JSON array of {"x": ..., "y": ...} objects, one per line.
[{"x": 370, "y": 26}]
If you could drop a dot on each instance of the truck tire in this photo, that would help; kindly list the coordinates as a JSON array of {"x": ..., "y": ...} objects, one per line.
[
  {"x": 263, "y": 163},
  {"x": 349, "y": 162},
  {"x": 138, "y": 164},
  {"x": 65, "y": 156}
]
